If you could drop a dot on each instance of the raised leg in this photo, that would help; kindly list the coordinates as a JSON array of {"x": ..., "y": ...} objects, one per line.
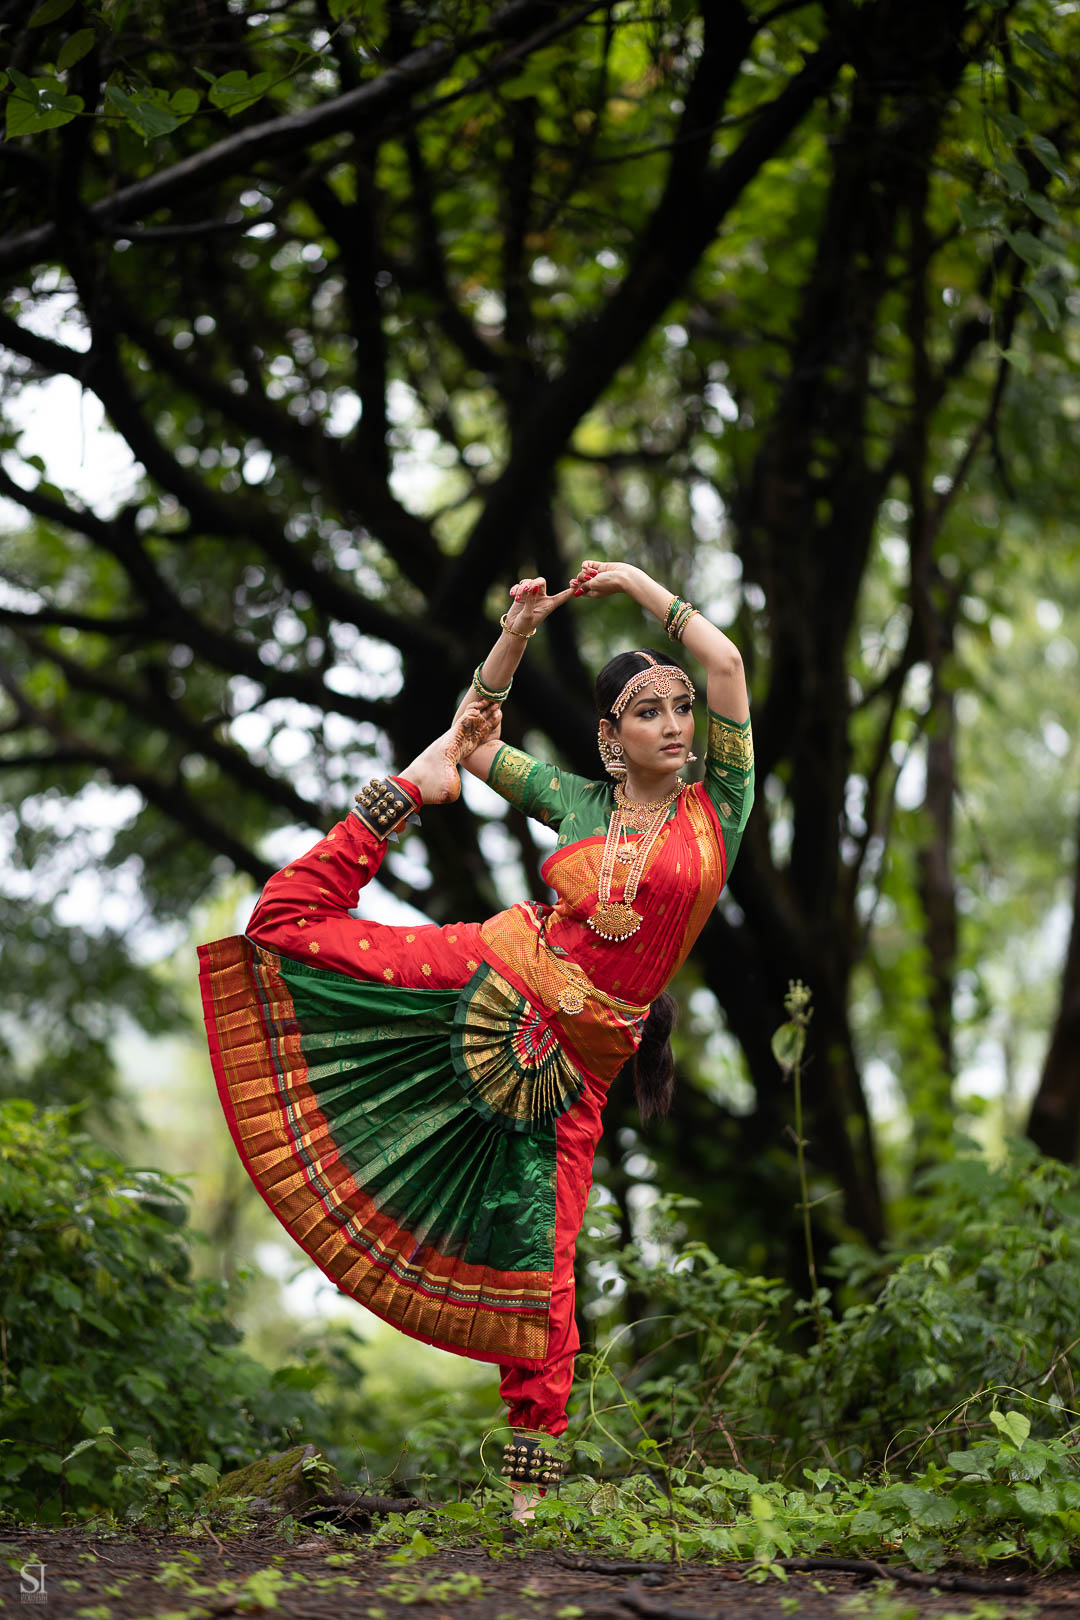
[{"x": 435, "y": 771}]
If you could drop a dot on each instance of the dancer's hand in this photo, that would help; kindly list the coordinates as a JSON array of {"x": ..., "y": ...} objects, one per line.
[
  {"x": 531, "y": 604},
  {"x": 608, "y": 579}
]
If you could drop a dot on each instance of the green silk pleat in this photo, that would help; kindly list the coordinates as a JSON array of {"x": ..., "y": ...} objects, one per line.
[{"x": 380, "y": 1061}]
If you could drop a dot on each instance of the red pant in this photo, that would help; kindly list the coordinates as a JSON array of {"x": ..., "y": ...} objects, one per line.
[{"x": 303, "y": 913}]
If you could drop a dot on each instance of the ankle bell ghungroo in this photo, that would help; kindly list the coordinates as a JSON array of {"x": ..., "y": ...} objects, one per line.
[
  {"x": 527, "y": 1461},
  {"x": 383, "y": 807}
]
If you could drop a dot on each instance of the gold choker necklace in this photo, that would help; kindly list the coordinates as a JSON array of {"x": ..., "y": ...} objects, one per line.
[
  {"x": 639, "y": 807},
  {"x": 616, "y": 919}
]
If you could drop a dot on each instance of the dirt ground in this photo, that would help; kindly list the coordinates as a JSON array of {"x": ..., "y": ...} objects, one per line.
[{"x": 151, "y": 1576}]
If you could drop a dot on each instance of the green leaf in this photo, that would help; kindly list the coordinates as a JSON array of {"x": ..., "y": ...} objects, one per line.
[
  {"x": 1013, "y": 1425},
  {"x": 1021, "y": 362},
  {"x": 976, "y": 215},
  {"x": 588, "y": 1449},
  {"x": 925, "y": 1508},
  {"x": 185, "y": 101},
  {"x": 67, "y": 1297},
  {"x": 48, "y": 12},
  {"x": 102, "y": 1323},
  {"x": 24, "y": 85},
  {"x": 234, "y": 91},
  {"x": 1047, "y": 306},
  {"x": 1043, "y": 207},
  {"x": 1022, "y": 79},
  {"x": 74, "y": 48},
  {"x": 787, "y": 1045},
  {"x": 1013, "y": 176},
  {"x": 43, "y": 105},
  {"x": 969, "y": 1462},
  {"x": 1039, "y": 47},
  {"x": 1013, "y": 128},
  {"x": 204, "y": 1473},
  {"x": 1049, "y": 156},
  {"x": 1027, "y": 247},
  {"x": 1033, "y": 1500},
  {"x": 145, "y": 118},
  {"x": 83, "y": 1445}
]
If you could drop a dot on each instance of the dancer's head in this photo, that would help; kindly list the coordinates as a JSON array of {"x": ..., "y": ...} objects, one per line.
[{"x": 645, "y": 704}]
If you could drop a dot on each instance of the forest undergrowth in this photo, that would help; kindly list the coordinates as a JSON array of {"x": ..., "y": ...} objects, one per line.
[{"x": 919, "y": 1407}]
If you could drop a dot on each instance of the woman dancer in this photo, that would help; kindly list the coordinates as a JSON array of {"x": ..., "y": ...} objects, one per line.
[{"x": 420, "y": 1106}]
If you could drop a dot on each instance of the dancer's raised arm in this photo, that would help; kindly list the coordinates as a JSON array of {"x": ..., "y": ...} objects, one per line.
[
  {"x": 530, "y": 605},
  {"x": 717, "y": 652}
]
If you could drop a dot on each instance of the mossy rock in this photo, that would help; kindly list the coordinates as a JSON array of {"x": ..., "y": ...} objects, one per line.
[{"x": 279, "y": 1484}]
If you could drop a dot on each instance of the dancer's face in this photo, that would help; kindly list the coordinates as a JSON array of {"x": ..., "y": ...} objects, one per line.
[{"x": 656, "y": 732}]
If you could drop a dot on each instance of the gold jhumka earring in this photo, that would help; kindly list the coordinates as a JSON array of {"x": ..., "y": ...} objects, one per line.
[{"x": 611, "y": 754}]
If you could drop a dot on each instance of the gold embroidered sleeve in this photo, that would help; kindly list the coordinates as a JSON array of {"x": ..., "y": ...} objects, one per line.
[
  {"x": 730, "y": 745},
  {"x": 729, "y": 778},
  {"x": 509, "y": 776},
  {"x": 556, "y": 797}
]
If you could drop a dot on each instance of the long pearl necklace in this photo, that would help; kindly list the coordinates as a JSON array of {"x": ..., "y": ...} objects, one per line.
[{"x": 616, "y": 919}]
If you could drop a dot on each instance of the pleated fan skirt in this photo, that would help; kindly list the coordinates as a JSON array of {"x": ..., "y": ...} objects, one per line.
[{"x": 405, "y": 1138}]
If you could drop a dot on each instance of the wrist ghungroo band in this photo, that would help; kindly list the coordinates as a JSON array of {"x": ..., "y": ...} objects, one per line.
[
  {"x": 383, "y": 807},
  {"x": 527, "y": 1461}
]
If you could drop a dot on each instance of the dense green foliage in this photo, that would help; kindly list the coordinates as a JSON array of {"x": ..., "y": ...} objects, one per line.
[
  {"x": 103, "y": 1328},
  {"x": 935, "y": 1415},
  {"x": 981, "y": 1296}
]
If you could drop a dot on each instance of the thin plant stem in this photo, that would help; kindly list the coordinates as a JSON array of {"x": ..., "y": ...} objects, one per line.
[{"x": 804, "y": 1206}]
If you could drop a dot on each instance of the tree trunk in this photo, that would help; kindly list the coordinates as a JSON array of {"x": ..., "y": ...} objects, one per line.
[{"x": 1054, "y": 1123}]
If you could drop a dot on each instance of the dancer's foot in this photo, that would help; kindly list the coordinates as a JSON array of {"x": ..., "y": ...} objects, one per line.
[
  {"x": 435, "y": 771},
  {"x": 524, "y": 1507}
]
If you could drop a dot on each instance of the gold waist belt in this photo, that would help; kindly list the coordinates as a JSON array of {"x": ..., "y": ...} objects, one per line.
[{"x": 579, "y": 986}]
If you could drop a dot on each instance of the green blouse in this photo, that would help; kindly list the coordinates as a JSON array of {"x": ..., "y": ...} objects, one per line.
[{"x": 581, "y": 808}]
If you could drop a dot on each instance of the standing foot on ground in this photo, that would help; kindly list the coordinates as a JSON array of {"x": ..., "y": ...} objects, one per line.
[
  {"x": 435, "y": 771},
  {"x": 524, "y": 1507}
]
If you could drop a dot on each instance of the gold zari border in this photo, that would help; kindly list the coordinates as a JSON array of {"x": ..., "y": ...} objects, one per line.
[
  {"x": 730, "y": 744},
  {"x": 510, "y": 772}
]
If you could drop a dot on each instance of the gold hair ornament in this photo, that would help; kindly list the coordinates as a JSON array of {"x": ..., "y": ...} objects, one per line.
[{"x": 665, "y": 676}]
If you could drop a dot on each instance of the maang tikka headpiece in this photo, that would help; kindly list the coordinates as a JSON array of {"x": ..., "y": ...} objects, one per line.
[{"x": 665, "y": 677}]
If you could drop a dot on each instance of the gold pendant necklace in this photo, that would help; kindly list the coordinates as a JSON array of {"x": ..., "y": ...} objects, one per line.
[{"x": 616, "y": 919}]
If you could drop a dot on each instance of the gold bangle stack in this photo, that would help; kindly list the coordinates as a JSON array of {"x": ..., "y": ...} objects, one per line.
[
  {"x": 489, "y": 692},
  {"x": 678, "y": 616},
  {"x": 522, "y": 635}
]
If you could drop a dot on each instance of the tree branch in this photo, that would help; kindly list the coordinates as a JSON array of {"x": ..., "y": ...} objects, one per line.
[
  {"x": 162, "y": 712},
  {"x": 685, "y": 221},
  {"x": 170, "y": 797},
  {"x": 371, "y": 105}
]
